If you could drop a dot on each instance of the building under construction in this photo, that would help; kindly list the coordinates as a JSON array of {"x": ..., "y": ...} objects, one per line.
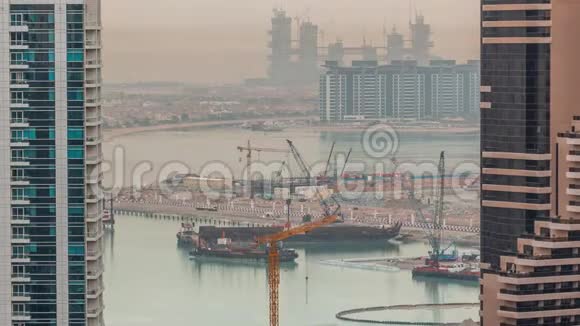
[{"x": 297, "y": 60}]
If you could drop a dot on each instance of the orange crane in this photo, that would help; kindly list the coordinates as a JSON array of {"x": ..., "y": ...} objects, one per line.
[
  {"x": 274, "y": 258},
  {"x": 272, "y": 240}
]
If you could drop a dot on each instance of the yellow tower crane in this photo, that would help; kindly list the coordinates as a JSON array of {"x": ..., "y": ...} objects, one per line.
[{"x": 272, "y": 240}]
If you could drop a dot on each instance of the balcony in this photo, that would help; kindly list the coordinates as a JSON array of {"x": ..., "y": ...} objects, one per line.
[
  {"x": 20, "y": 259},
  {"x": 92, "y": 83},
  {"x": 94, "y": 273},
  {"x": 573, "y": 206},
  {"x": 573, "y": 190},
  {"x": 20, "y": 201},
  {"x": 20, "y": 277},
  {"x": 21, "y": 297},
  {"x": 93, "y": 159},
  {"x": 93, "y": 64},
  {"x": 18, "y": 46},
  {"x": 19, "y": 84},
  {"x": 93, "y": 254},
  {"x": 573, "y": 173},
  {"x": 21, "y": 27},
  {"x": 548, "y": 257},
  {"x": 21, "y": 239},
  {"x": 93, "y": 140},
  {"x": 93, "y": 121},
  {"x": 94, "y": 312},
  {"x": 91, "y": 179},
  {"x": 92, "y": 45},
  {"x": 19, "y": 123},
  {"x": 19, "y": 142},
  {"x": 19, "y": 161},
  {"x": 94, "y": 235},
  {"x": 573, "y": 156},
  {"x": 538, "y": 308},
  {"x": 92, "y": 102},
  {"x": 94, "y": 217},
  {"x": 538, "y": 291},
  {"x": 92, "y": 198},
  {"x": 19, "y": 181},
  {"x": 20, "y": 220},
  {"x": 95, "y": 292},
  {"x": 20, "y": 316}
]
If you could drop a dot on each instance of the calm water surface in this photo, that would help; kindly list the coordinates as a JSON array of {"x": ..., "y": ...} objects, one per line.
[{"x": 150, "y": 282}]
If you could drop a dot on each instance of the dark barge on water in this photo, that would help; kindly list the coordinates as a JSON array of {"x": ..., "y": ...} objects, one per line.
[
  {"x": 332, "y": 233},
  {"x": 248, "y": 255}
]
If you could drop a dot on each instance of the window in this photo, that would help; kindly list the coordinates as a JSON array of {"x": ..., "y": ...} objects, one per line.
[
  {"x": 16, "y": 19},
  {"x": 19, "y": 290},
  {"x": 18, "y": 135},
  {"x": 19, "y": 232},
  {"x": 17, "y": 98},
  {"x": 17, "y": 78},
  {"x": 18, "y": 155},
  {"x": 18, "y": 194},
  {"x": 19, "y": 309},
  {"x": 19, "y": 271},
  {"x": 17, "y": 58},
  {"x": 19, "y": 213},
  {"x": 19, "y": 252},
  {"x": 17, "y": 38},
  {"x": 17, "y": 117},
  {"x": 18, "y": 174}
]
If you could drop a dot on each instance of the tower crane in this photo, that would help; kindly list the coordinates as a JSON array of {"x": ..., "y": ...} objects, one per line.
[
  {"x": 251, "y": 149},
  {"x": 272, "y": 240},
  {"x": 274, "y": 259}
]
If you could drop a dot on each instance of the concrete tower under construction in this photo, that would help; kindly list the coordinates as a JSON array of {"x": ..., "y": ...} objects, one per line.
[
  {"x": 281, "y": 45},
  {"x": 421, "y": 40},
  {"x": 308, "y": 52}
]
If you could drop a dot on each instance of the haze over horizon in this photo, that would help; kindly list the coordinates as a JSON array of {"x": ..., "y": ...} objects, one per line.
[{"x": 224, "y": 41}]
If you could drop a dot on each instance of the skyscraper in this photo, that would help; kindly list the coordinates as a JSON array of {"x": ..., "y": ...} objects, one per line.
[
  {"x": 530, "y": 214},
  {"x": 50, "y": 154}
]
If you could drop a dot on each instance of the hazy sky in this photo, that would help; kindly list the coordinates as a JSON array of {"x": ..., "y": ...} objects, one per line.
[{"x": 215, "y": 41}]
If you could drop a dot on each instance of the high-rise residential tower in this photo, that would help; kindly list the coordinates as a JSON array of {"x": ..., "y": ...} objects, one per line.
[
  {"x": 50, "y": 154},
  {"x": 530, "y": 152}
]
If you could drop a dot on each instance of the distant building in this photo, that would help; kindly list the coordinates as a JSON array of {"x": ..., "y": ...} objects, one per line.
[{"x": 402, "y": 90}]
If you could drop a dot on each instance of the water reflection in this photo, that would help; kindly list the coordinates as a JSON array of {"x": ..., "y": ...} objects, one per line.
[{"x": 151, "y": 282}]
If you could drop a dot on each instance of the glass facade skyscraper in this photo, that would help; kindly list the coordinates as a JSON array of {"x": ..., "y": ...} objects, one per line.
[
  {"x": 50, "y": 154},
  {"x": 530, "y": 159}
]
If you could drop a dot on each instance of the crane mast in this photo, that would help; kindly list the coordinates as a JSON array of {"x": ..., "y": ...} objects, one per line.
[
  {"x": 251, "y": 149},
  {"x": 274, "y": 259},
  {"x": 434, "y": 234}
]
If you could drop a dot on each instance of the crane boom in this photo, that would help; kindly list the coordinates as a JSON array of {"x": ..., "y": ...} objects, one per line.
[
  {"x": 328, "y": 161},
  {"x": 274, "y": 259},
  {"x": 303, "y": 166}
]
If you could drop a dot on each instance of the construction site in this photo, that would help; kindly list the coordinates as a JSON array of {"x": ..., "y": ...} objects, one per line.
[
  {"x": 256, "y": 216},
  {"x": 298, "y": 48}
]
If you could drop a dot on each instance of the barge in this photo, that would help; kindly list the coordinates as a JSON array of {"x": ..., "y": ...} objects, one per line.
[
  {"x": 333, "y": 233},
  {"x": 459, "y": 271},
  {"x": 241, "y": 255}
]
